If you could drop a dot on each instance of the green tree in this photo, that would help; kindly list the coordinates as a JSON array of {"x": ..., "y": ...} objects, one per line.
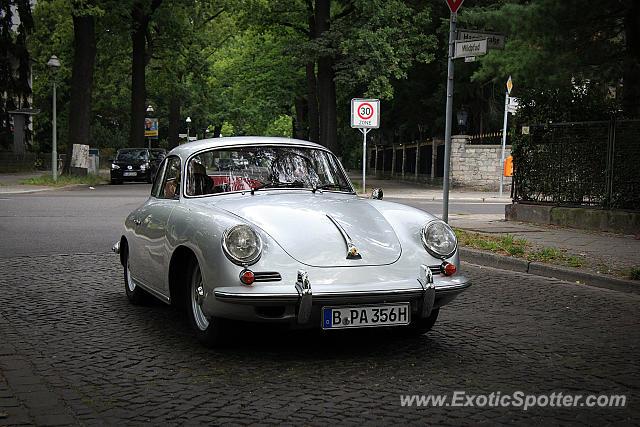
[{"x": 15, "y": 67}]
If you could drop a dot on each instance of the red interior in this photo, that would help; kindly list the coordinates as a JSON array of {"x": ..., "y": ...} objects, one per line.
[{"x": 236, "y": 183}]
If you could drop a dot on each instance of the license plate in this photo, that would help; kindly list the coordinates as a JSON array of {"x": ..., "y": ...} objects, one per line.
[
  {"x": 366, "y": 316},
  {"x": 129, "y": 174}
]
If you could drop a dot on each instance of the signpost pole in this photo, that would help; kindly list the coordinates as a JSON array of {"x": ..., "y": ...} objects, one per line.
[
  {"x": 364, "y": 131},
  {"x": 504, "y": 130},
  {"x": 447, "y": 131}
]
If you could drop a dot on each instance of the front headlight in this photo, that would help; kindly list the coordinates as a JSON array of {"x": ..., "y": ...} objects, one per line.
[
  {"x": 114, "y": 166},
  {"x": 144, "y": 166},
  {"x": 242, "y": 245},
  {"x": 439, "y": 239}
]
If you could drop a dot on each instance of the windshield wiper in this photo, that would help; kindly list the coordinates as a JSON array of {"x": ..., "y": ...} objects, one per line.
[
  {"x": 329, "y": 186},
  {"x": 273, "y": 184}
]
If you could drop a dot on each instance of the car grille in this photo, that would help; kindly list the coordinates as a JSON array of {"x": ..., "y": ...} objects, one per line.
[
  {"x": 267, "y": 276},
  {"x": 436, "y": 269}
]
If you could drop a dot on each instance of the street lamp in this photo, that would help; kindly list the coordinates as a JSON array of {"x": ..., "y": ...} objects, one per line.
[
  {"x": 54, "y": 64},
  {"x": 462, "y": 116},
  {"x": 149, "y": 111},
  {"x": 188, "y": 123}
]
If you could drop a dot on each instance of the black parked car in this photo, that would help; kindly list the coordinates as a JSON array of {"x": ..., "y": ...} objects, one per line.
[{"x": 136, "y": 164}]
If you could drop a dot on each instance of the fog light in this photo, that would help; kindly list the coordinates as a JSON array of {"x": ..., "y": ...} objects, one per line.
[
  {"x": 448, "y": 269},
  {"x": 247, "y": 277}
]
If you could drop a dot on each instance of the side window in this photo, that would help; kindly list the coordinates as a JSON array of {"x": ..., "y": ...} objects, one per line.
[
  {"x": 157, "y": 180},
  {"x": 170, "y": 184}
]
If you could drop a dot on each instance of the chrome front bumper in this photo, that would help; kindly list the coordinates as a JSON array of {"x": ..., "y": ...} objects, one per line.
[{"x": 428, "y": 291}]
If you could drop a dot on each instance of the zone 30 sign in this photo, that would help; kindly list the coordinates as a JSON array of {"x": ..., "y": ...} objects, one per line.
[{"x": 365, "y": 113}]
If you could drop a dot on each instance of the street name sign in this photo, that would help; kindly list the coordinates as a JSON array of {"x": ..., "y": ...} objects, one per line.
[
  {"x": 494, "y": 40},
  {"x": 454, "y": 5},
  {"x": 470, "y": 48},
  {"x": 365, "y": 113}
]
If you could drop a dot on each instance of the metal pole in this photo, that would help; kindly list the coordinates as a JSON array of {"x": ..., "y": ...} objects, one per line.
[
  {"x": 364, "y": 157},
  {"x": 504, "y": 138},
  {"x": 54, "y": 151},
  {"x": 447, "y": 131}
]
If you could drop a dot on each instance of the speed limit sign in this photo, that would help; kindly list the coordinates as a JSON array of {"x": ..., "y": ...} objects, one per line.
[{"x": 365, "y": 113}]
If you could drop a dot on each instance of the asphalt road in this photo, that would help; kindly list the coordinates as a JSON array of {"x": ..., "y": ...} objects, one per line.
[{"x": 74, "y": 351}]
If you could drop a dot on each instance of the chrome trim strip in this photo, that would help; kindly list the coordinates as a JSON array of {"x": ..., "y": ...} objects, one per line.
[{"x": 352, "y": 251}]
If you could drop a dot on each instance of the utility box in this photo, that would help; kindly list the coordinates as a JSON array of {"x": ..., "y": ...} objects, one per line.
[
  {"x": 80, "y": 160},
  {"x": 94, "y": 161}
]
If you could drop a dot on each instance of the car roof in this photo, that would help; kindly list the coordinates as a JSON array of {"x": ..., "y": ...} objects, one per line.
[{"x": 185, "y": 150}]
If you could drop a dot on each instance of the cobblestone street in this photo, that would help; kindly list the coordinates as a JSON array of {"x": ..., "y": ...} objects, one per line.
[{"x": 74, "y": 351}]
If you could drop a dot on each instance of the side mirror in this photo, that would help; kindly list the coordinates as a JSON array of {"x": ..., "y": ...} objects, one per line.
[{"x": 376, "y": 193}]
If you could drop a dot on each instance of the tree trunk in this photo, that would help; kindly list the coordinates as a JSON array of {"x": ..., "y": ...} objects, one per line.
[
  {"x": 81, "y": 84},
  {"x": 216, "y": 131},
  {"x": 312, "y": 103},
  {"x": 140, "y": 17},
  {"x": 631, "y": 77},
  {"x": 138, "y": 82},
  {"x": 174, "y": 120},
  {"x": 300, "y": 130},
  {"x": 326, "y": 85}
]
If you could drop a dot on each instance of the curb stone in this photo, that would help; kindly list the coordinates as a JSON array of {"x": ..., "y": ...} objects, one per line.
[{"x": 569, "y": 274}]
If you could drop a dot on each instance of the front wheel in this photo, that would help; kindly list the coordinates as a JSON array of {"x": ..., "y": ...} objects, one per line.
[
  {"x": 421, "y": 326},
  {"x": 208, "y": 330},
  {"x": 135, "y": 294}
]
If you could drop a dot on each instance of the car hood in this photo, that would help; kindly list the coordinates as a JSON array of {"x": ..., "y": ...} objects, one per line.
[
  {"x": 307, "y": 226},
  {"x": 135, "y": 162}
]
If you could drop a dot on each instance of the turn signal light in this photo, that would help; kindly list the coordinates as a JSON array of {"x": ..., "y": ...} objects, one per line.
[
  {"x": 247, "y": 277},
  {"x": 448, "y": 269}
]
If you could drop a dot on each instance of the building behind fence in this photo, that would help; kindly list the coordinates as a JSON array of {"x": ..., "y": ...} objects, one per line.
[{"x": 579, "y": 164}]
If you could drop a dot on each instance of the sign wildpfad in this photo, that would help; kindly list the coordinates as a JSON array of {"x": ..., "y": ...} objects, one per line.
[{"x": 454, "y": 5}]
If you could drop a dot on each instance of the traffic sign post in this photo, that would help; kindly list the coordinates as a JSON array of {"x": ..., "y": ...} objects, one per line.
[
  {"x": 504, "y": 129},
  {"x": 453, "y": 6},
  {"x": 365, "y": 115}
]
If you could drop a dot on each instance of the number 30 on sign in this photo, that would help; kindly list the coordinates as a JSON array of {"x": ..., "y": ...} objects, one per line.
[{"x": 365, "y": 113}]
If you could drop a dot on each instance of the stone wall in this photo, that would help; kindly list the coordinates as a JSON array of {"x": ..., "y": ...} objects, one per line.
[{"x": 477, "y": 166}]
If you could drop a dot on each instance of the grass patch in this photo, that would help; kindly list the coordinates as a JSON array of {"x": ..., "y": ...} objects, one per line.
[
  {"x": 64, "y": 180},
  {"x": 519, "y": 248},
  {"x": 505, "y": 245},
  {"x": 633, "y": 273}
]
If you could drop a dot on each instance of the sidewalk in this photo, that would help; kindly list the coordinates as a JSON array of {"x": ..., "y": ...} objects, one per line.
[
  {"x": 9, "y": 183},
  {"x": 602, "y": 251}
]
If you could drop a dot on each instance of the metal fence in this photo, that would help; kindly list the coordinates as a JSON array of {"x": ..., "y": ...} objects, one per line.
[
  {"x": 488, "y": 138},
  {"x": 579, "y": 164}
]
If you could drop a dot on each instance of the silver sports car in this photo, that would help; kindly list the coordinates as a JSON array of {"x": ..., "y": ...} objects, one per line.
[{"x": 271, "y": 230}]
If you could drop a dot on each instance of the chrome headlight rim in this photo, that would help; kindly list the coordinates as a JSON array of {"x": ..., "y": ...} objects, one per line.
[
  {"x": 425, "y": 243},
  {"x": 236, "y": 260}
]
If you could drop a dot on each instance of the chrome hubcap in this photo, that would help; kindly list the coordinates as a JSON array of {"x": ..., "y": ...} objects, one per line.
[
  {"x": 130, "y": 284},
  {"x": 197, "y": 295}
]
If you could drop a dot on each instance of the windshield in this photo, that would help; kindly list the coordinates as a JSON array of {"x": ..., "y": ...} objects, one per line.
[
  {"x": 130, "y": 155},
  {"x": 158, "y": 154},
  {"x": 254, "y": 168}
]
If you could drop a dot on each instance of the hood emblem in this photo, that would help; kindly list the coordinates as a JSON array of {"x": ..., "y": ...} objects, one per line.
[{"x": 352, "y": 251}]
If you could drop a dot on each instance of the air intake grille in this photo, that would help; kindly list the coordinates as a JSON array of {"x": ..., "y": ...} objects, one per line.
[{"x": 267, "y": 276}]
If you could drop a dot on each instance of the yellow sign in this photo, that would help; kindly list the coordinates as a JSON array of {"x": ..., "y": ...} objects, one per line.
[{"x": 509, "y": 85}]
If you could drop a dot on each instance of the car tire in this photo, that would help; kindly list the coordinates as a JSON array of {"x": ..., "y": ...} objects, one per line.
[
  {"x": 208, "y": 330},
  {"x": 135, "y": 294},
  {"x": 419, "y": 326}
]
